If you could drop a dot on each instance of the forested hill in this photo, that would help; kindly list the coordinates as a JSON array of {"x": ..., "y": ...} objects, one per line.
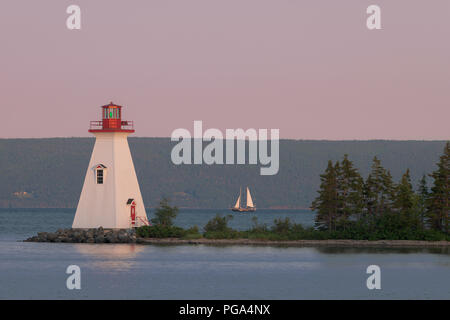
[{"x": 50, "y": 172}]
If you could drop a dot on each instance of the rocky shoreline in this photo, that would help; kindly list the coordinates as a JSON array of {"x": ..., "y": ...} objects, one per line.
[{"x": 101, "y": 235}]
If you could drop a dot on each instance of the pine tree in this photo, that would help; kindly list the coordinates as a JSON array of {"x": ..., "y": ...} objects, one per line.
[
  {"x": 405, "y": 202},
  {"x": 165, "y": 214},
  {"x": 438, "y": 201},
  {"x": 422, "y": 196},
  {"x": 350, "y": 191},
  {"x": 378, "y": 190},
  {"x": 326, "y": 204},
  {"x": 404, "y": 195}
]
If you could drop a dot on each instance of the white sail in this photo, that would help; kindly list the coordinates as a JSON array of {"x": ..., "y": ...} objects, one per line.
[
  {"x": 238, "y": 202},
  {"x": 249, "y": 199}
]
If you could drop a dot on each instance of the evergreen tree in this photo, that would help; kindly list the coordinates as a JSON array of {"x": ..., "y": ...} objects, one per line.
[
  {"x": 422, "y": 196},
  {"x": 404, "y": 195},
  {"x": 326, "y": 204},
  {"x": 405, "y": 203},
  {"x": 165, "y": 214},
  {"x": 438, "y": 201},
  {"x": 350, "y": 191},
  {"x": 378, "y": 190}
]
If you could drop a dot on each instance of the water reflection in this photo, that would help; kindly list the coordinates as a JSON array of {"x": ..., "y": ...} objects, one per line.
[
  {"x": 116, "y": 257},
  {"x": 373, "y": 250}
]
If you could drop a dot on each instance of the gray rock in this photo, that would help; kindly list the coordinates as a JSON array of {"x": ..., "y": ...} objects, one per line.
[
  {"x": 51, "y": 237},
  {"x": 99, "y": 235}
]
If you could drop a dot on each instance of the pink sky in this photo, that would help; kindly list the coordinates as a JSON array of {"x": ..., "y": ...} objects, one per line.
[{"x": 310, "y": 68}]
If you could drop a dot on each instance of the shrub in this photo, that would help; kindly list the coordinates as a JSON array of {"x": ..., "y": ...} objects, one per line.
[
  {"x": 258, "y": 228},
  {"x": 160, "y": 231},
  {"x": 165, "y": 214},
  {"x": 281, "y": 226},
  {"x": 218, "y": 224},
  {"x": 192, "y": 233},
  {"x": 229, "y": 234}
]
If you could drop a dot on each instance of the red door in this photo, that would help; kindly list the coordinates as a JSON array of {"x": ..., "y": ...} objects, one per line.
[{"x": 133, "y": 214}]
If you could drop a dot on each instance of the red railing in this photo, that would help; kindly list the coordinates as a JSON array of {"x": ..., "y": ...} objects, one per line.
[
  {"x": 124, "y": 125},
  {"x": 96, "y": 125},
  {"x": 127, "y": 125},
  {"x": 144, "y": 221}
]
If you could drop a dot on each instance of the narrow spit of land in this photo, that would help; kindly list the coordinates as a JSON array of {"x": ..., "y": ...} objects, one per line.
[
  {"x": 107, "y": 236},
  {"x": 298, "y": 243}
]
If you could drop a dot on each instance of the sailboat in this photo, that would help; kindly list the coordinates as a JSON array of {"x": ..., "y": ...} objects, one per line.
[{"x": 250, "y": 207}]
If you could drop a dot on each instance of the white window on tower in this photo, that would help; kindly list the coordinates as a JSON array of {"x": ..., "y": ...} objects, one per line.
[
  {"x": 100, "y": 173},
  {"x": 100, "y": 176}
]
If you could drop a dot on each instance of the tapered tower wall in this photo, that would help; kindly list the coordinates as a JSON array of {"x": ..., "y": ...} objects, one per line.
[{"x": 105, "y": 205}]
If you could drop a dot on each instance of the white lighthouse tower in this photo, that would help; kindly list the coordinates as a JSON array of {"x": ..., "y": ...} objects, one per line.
[{"x": 111, "y": 197}]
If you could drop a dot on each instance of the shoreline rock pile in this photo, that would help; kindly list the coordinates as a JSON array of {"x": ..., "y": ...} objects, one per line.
[{"x": 98, "y": 235}]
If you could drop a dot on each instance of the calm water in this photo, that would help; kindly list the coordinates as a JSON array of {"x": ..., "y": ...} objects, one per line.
[{"x": 37, "y": 270}]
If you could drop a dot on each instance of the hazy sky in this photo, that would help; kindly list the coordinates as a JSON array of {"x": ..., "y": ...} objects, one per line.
[{"x": 308, "y": 67}]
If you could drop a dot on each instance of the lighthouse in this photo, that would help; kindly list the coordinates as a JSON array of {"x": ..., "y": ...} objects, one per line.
[{"x": 111, "y": 197}]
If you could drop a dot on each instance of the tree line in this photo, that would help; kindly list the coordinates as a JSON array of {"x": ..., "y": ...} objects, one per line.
[{"x": 349, "y": 204}]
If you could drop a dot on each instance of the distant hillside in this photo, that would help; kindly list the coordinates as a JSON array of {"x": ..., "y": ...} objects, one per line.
[{"x": 50, "y": 172}]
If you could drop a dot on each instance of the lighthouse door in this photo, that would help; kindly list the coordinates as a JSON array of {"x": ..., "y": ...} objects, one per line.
[{"x": 133, "y": 214}]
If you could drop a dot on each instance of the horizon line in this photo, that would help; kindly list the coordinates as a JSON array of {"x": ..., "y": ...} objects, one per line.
[{"x": 291, "y": 139}]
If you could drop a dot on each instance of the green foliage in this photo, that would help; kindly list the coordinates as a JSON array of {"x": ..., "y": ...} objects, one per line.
[
  {"x": 218, "y": 224},
  {"x": 380, "y": 209},
  {"x": 438, "y": 204},
  {"x": 390, "y": 226},
  {"x": 326, "y": 204},
  {"x": 340, "y": 196},
  {"x": 165, "y": 214},
  {"x": 229, "y": 234},
  {"x": 282, "y": 226},
  {"x": 350, "y": 192},
  {"x": 405, "y": 202},
  {"x": 422, "y": 196},
  {"x": 378, "y": 191},
  {"x": 193, "y": 230},
  {"x": 193, "y": 233},
  {"x": 257, "y": 227},
  {"x": 160, "y": 231}
]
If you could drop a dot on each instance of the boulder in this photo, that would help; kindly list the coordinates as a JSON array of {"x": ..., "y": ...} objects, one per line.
[
  {"x": 51, "y": 237},
  {"x": 99, "y": 238}
]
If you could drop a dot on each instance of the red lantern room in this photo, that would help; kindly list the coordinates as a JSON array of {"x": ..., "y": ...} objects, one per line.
[{"x": 111, "y": 121}]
